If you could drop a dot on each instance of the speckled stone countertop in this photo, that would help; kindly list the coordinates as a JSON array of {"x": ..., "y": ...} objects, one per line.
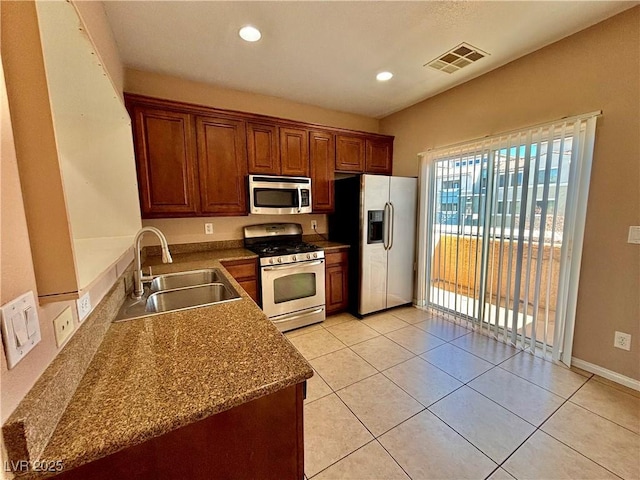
[
  {"x": 156, "y": 374},
  {"x": 329, "y": 246}
]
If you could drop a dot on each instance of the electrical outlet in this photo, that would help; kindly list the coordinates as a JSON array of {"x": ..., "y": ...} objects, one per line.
[
  {"x": 84, "y": 306},
  {"x": 208, "y": 228},
  {"x": 63, "y": 326},
  {"x": 622, "y": 340},
  {"x": 634, "y": 235},
  {"x": 314, "y": 224}
]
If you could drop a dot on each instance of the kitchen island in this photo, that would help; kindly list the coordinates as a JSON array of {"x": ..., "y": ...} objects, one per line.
[{"x": 209, "y": 392}]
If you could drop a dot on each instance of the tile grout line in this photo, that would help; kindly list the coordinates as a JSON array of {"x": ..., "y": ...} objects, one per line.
[
  {"x": 500, "y": 465},
  {"x": 596, "y": 413},
  {"x": 558, "y": 440}
]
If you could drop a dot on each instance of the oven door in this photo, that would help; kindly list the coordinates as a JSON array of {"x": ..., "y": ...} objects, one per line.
[{"x": 292, "y": 287}]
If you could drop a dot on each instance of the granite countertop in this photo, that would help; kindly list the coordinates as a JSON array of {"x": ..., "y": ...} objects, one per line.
[
  {"x": 156, "y": 374},
  {"x": 329, "y": 246}
]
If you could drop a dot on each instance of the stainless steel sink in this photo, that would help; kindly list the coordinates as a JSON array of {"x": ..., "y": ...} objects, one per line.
[
  {"x": 188, "y": 297},
  {"x": 171, "y": 281},
  {"x": 179, "y": 291}
]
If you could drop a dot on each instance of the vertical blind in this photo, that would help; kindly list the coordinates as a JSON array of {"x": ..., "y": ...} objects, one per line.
[{"x": 501, "y": 225}]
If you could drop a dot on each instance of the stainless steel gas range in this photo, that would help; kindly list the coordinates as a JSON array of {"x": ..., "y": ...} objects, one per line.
[{"x": 291, "y": 273}]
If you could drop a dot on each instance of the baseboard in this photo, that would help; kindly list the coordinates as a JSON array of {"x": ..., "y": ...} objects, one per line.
[{"x": 605, "y": 373}]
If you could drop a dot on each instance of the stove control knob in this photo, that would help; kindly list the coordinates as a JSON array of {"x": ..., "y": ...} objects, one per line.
[
  {"x": 293, "y": 258},
  {"x": 308, "y": 255},
  {"x": 279, "y": 260},
  {"x": 315, "y": 255},
  {"x": 271, "y": 260}
]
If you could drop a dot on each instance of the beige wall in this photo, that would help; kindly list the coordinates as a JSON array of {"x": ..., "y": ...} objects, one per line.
[
  {"x": 174, "y": 88},
  {"x": 191, "y": 230},
  {"x": 17, "y": 273},
  {"x": 596, "y": 69}
]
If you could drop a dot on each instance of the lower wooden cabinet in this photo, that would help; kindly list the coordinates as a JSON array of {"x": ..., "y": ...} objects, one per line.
[
  {"x": 259, "y": 439},
  {"x": 245, "y": 273},
  {"x": 336, "y": 281}
]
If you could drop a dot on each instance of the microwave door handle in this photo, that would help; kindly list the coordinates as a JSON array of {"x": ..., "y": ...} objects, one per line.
[{"x": 299, "y": 199}]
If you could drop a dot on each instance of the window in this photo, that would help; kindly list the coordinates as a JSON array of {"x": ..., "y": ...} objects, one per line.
[{"x": 481, "y": 266}]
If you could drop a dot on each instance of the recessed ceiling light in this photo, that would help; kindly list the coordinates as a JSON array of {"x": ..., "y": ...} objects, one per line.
[
  {"x": 250, "y": 33},
  {"x": 384, "y": 76}
]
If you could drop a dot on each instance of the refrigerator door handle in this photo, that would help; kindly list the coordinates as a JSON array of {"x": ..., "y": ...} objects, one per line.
[
  {"x": 385, "y": 226},
  {"x": 391, "y": 224}
]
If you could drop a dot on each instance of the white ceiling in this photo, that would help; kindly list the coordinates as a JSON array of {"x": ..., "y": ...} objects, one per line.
[{"x": 328, "y": 53}]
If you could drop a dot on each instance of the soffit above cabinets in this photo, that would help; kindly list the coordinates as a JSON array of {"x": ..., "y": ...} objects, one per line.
[{"x": 328, "y": 53}]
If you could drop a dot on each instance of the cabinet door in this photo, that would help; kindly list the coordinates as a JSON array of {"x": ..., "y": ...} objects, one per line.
[
  {"x": 336, "y": 286},
  {"x": 322, "y": 151},
  {"x": 222, "y": 164},
  {"x": 294, "y": 152},
  {"x": 336, "y": 281},
  {"x": 246, "y": 274},
  {"x": 349, "y": 153},
  {"x": 263, "y": 149},
  {"x": 379, "y": 153},
  {"x": 164, "y": 143}
]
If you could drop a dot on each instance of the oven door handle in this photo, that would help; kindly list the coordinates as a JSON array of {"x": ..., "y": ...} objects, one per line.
[
  {"x": 299, "y": 199},
  {"x": 293, "y": 265}
]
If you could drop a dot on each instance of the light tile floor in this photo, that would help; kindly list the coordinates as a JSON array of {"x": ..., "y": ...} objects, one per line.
[{"x": 408, "y": 395}]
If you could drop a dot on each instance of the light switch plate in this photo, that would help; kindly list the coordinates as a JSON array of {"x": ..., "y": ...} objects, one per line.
[
  {"x": 208, "y": 228},
  {"x": 84, "y": 306},
  {"x": 63, "y": 326},
  {"x": 20, "y": 327},
  {"x": 634, "y": 234}
]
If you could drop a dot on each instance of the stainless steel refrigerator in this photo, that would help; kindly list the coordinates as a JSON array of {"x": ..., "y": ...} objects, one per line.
[{"x": 376, "y": 216}]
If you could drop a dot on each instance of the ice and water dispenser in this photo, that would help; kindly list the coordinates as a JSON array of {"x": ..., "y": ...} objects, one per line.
[{"x": 375, "y": 224}]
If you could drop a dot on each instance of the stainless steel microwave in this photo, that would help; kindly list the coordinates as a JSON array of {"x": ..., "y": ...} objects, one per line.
[{"x": 279, "y": 195}]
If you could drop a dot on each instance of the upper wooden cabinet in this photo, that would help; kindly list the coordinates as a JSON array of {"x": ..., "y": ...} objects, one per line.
[
  {"x": 322, "y": 153},
  {"x": 193, "y": 160},
  {"x": 222, "y": 165},
  {"x": 164, "y": 143},
  {"x": 378, "y": 155},
  {"x": 263, "y": 148},
  {"x": 294, "y": 152},
  {"x": 349, "y": 153}
]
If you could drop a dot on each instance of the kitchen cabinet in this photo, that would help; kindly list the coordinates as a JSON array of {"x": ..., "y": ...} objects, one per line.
[
  {"x": 193, "y": 160},
  {"x": 259, "y": 439},
  {"x": 263, "y": 148},
  {"x": 350, "y": 153},
  {"x": 336, "y": 281},
  {"x": 245, "y": 273},
  {"x": 187, "y": 164},
  {"x": 294, "y": 152},
  {"x": 322, "y": 154},
  {"x": 275, "y": 150},
  {"x": 164, "y": 143},
  {"x": 222, "y": 165},
  {"x": 378, "y": 155}
]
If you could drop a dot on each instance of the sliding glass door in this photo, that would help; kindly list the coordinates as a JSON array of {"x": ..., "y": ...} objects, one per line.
[{"x": 501, "y": 219}]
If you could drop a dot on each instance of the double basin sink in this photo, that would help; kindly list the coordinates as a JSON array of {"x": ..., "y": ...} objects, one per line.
[{"x": 179, "y": 291}]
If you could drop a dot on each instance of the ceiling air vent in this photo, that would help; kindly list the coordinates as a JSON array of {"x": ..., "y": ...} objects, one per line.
[{"x": 457, "y": 58}]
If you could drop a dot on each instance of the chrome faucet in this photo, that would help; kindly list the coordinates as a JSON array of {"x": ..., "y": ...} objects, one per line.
[{"x": 138, "y": 276}]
